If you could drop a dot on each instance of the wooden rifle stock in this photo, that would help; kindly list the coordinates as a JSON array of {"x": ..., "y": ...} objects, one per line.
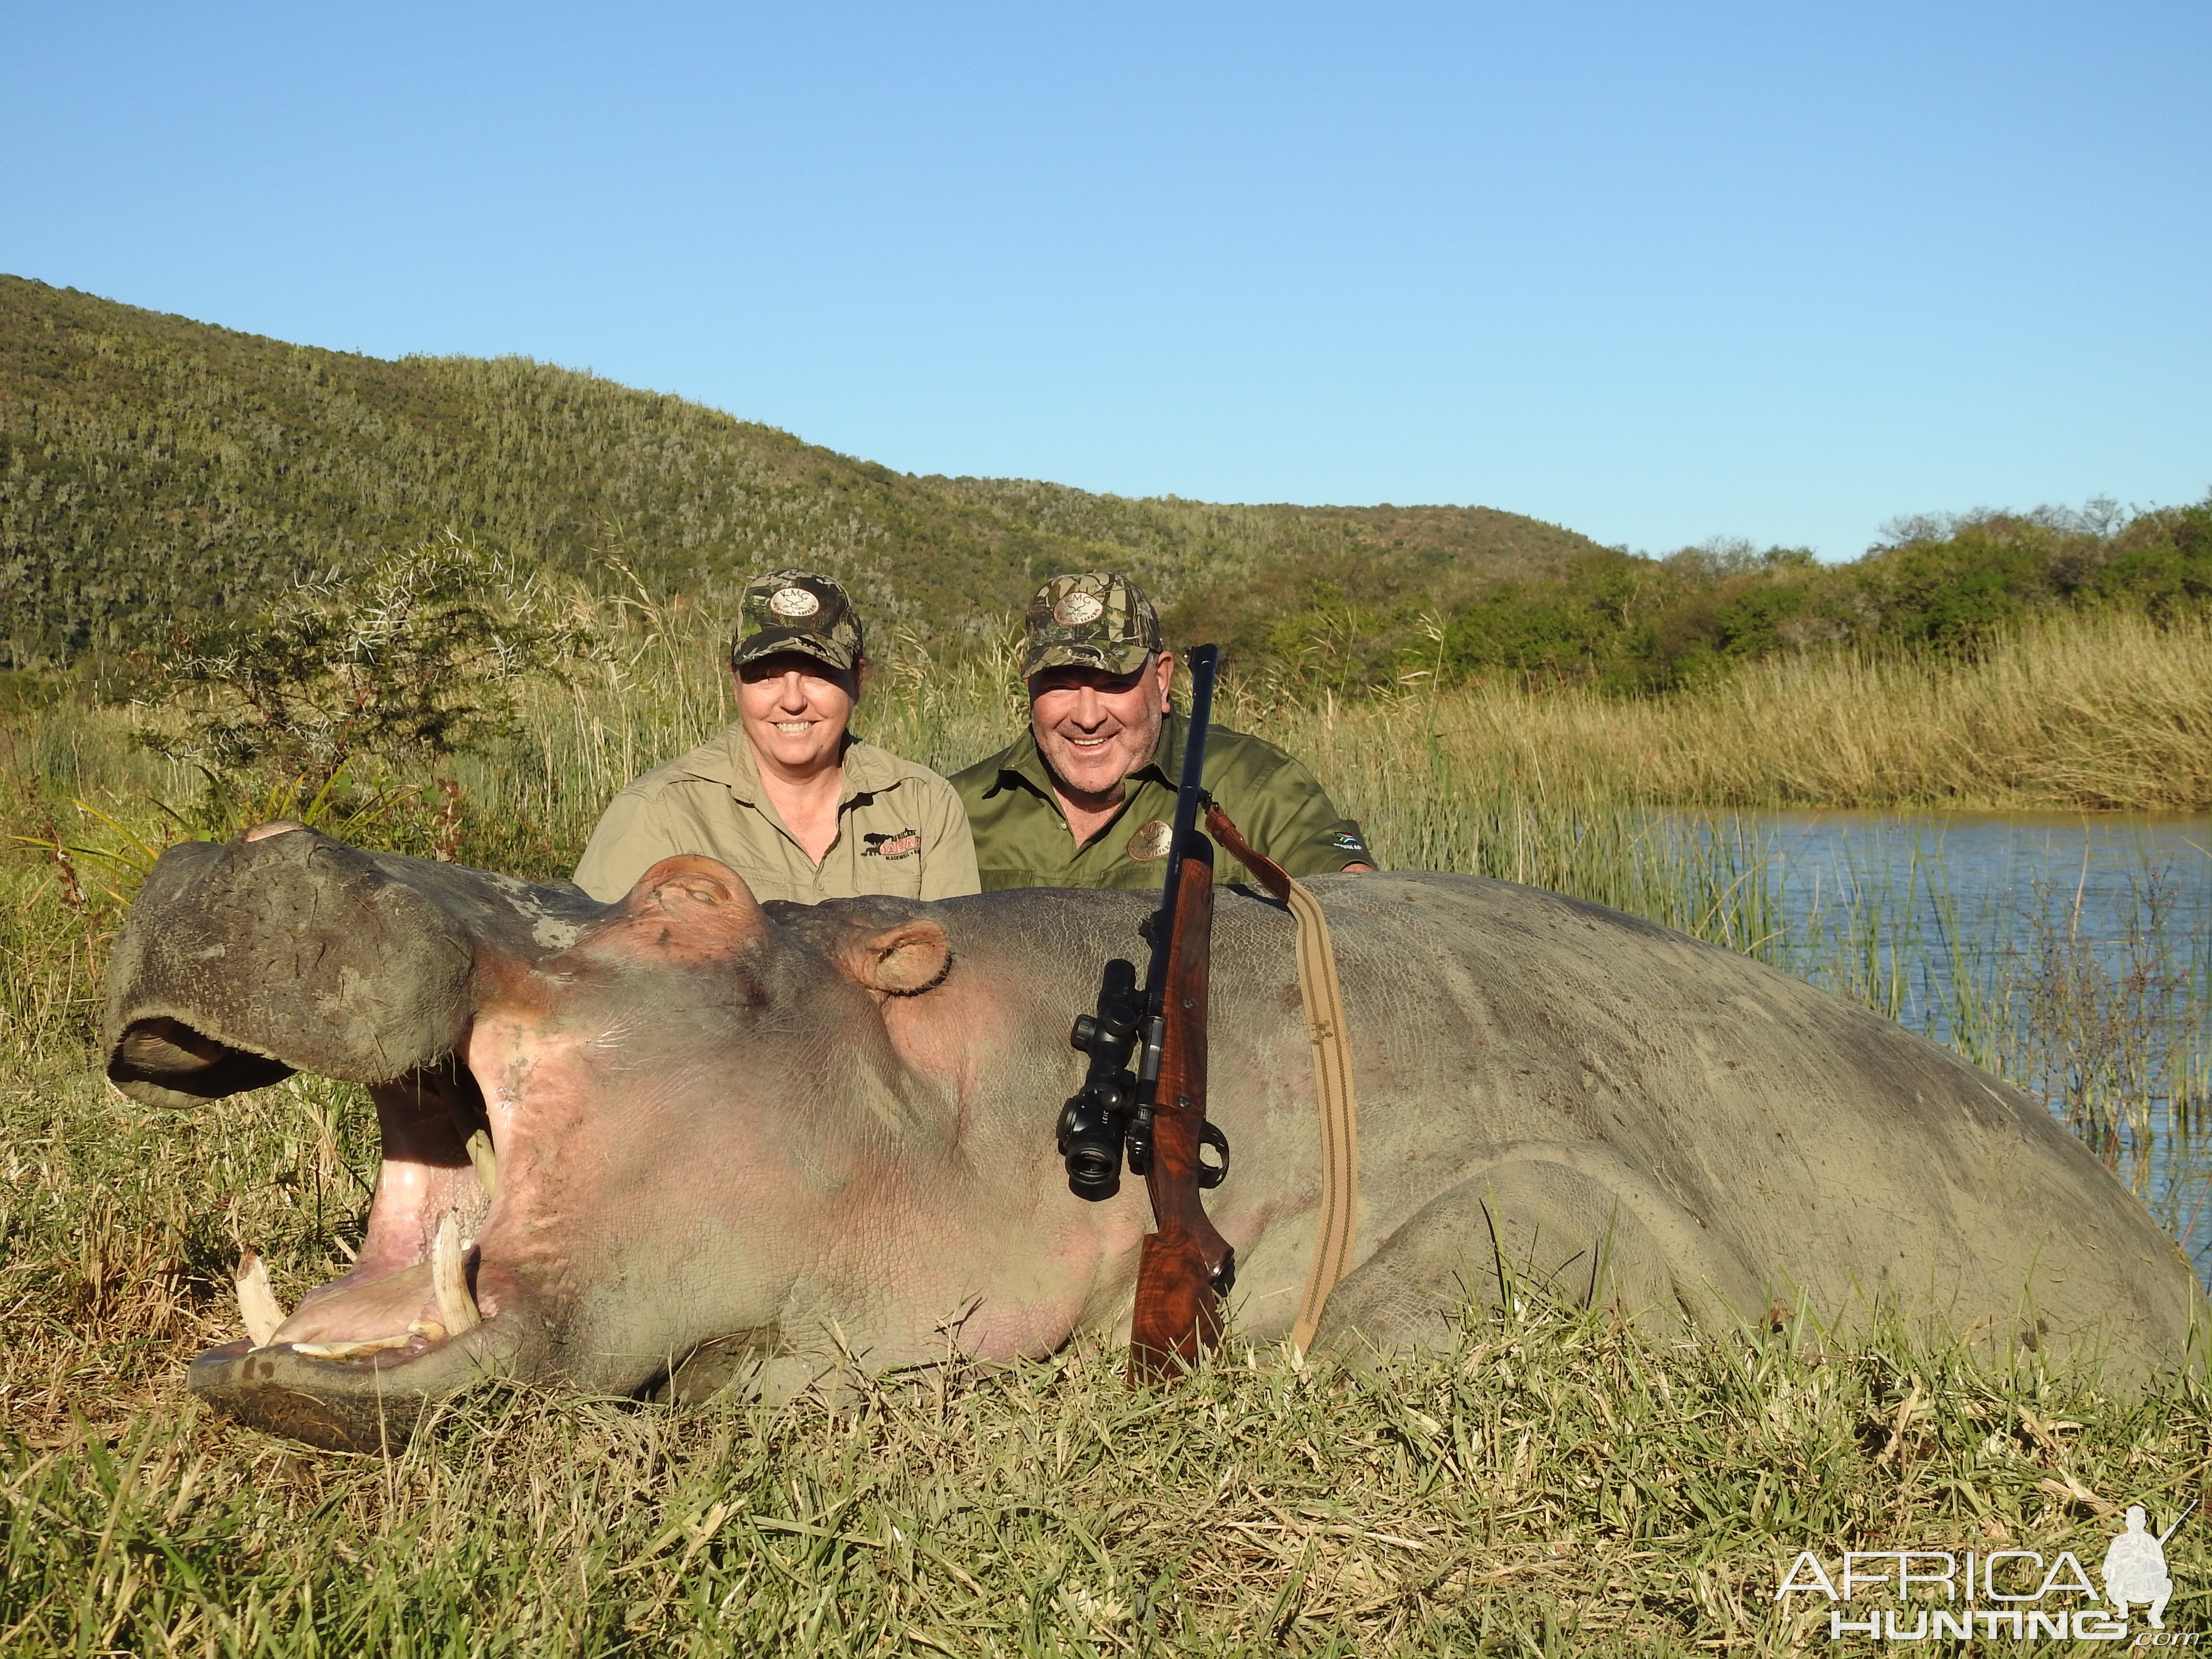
[{"x": 1186, "y": 1266}]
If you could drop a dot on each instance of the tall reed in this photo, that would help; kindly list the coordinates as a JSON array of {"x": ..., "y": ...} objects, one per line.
[{"x": 2101, "y": 712}]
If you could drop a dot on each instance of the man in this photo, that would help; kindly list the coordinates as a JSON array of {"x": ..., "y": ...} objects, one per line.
[
  {"x": 1087, "y": 798},
  {"x": 786, "y": 796}
]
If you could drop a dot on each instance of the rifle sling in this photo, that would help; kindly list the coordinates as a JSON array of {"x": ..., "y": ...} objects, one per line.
[{"x": 1323, "y": 997}]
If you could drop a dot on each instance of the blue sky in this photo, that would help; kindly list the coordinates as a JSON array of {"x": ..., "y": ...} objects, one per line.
[{"x": 1659, "y": 273}]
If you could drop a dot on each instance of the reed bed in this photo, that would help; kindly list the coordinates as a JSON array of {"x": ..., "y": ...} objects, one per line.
[{"x": 2104, "y": 712}]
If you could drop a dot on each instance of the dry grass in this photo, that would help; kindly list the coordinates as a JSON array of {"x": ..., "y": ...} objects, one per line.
[{"x": 2101, "y": 712}]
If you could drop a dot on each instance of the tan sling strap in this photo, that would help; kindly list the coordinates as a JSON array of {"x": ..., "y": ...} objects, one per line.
[{"x": 1332, "y": 1062}]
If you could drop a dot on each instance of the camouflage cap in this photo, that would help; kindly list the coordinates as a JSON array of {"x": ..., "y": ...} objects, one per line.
[
  {"x": 1091, "y": 621},
  {"x": 797, "y": 610}
]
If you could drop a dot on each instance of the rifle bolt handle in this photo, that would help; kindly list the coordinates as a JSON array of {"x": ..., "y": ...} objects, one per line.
[{"x": 1211, "y": 1175}]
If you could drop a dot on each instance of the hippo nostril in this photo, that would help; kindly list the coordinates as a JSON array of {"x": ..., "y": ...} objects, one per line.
[
  {"x": 167, "y": 1045},
  {"x": 171, "y": 1057}
]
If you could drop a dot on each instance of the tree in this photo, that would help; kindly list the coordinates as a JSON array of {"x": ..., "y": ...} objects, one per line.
[{"x": 421, "y": 654}]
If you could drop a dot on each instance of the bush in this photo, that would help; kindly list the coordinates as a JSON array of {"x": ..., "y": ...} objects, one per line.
[{"x": 419, "y": 656}]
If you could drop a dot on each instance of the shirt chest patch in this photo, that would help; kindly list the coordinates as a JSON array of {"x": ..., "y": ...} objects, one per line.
[
  {"x": 1152, "y": 841},
  {"x": 898, "y": 844}
]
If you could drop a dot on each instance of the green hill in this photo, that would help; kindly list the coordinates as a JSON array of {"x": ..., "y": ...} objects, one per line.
[{"x": 154, "y": 469}]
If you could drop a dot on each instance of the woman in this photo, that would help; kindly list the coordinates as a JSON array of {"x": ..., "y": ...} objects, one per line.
[{"x": 786, "y": 797}]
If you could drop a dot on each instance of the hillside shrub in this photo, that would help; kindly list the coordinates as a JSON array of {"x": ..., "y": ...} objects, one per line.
[{"x": 419, "y": 656}]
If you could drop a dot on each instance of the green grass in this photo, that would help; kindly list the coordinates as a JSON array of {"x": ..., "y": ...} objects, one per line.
[
  {"x": 1551, "y": 1484},
  {"x": 1556, "y": 1484},
  {"x": 160, "y": 477},
  {"x": 158, "y": 474}
]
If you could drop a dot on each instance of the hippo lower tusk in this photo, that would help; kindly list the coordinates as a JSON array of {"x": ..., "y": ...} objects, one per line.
[
  {"x": 487, "y": 1162},
  {"x": 351, "y": 1350},
  {"x": 449, "y": 1282},
  {"x": 257, "y": 1303}
]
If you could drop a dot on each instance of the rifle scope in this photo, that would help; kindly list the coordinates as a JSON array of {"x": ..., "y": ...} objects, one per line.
[{"x": 1094, "y": 1123}]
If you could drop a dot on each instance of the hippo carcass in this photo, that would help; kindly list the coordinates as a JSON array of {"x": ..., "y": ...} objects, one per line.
[{"x": 729, "y": 1135}]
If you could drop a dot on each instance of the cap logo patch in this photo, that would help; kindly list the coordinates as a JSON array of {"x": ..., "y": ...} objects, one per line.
[
  {"x": 1078, "y": 608},
  {"x": 1152, "y": 841},
  {"x": 793, "y": 602}
]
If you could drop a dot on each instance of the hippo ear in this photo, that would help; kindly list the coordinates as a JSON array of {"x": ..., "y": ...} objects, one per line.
[
  {"x": 899, "y": 961},
  {"x": 707, "y": 901}
]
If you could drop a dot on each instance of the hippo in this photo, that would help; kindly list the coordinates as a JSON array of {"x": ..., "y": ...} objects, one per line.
[{"x": 688, "y": 1141}]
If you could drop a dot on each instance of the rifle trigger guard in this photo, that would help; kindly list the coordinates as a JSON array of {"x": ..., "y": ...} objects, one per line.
[{"x": 1211, "y": 1175}]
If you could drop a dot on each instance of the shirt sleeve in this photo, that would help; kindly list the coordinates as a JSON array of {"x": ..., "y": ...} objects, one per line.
[
  {"x": 632, "y": 837},
  {"x": 1296, "y": 824},
  {"x": 948, "y": 849}
]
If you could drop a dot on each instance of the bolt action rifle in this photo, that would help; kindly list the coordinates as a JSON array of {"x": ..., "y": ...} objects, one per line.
[{"x": 1156, "y": 1112}]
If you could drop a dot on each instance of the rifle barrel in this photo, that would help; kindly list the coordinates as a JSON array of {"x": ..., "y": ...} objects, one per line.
[
  {"x": 2176, "y": 1526},
  {"x": 1205, "y": 663}
]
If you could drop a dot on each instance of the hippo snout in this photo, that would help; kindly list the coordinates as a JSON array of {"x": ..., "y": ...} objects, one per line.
[{"x": 280, "y": 952}]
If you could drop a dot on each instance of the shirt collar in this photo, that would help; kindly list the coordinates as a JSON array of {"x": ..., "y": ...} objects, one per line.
[
  {"x": 868, "y": 769},
  {"x": 1166, "y": 763}
]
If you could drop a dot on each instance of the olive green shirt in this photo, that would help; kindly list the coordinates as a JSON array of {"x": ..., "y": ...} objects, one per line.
[
  {"x": 900, "y": 829},
  {"x": 1022, "y": 837}
]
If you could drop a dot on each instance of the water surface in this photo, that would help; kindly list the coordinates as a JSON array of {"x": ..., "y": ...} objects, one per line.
[{"x": 2066, "y": 952}]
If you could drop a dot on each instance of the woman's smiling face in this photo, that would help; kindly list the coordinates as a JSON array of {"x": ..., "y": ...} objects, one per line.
[{"x": 795, "y": 709}]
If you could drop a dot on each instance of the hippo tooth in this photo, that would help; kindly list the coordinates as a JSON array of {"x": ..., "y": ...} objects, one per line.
[
  {"x": 487, "y": 1162},
  {"x": 256, "y": 1301},
  {"x": 457, "y": 1308},
  {"x": 348, "y": 1349}
]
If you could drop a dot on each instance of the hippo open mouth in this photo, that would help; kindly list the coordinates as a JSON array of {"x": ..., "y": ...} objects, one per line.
[
  {"x": 420, "y": 1311},
  {"x": 364, "y": 979},
  {"x": 412, "y": 1285}
]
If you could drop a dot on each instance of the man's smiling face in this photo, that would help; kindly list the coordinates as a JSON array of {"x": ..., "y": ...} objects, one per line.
[{"x": 1095, "y": 728}]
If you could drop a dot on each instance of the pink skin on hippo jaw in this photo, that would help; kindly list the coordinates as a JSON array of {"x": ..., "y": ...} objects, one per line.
[{"x": 492, "y": 1021}]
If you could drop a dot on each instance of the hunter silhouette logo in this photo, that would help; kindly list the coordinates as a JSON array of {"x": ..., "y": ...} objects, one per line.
[
  {"x": 1964, "y": 1596},
  {"x": 2135, "y": 1566}
]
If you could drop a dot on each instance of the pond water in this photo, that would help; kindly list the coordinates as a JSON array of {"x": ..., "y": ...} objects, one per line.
[{"x": 2071, "y": 954}]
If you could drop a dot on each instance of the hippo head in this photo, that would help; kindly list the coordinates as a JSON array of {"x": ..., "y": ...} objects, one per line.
[{"x": 599, "y": 1121}]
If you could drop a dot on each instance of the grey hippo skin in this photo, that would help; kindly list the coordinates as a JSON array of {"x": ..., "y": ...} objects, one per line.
[{"x": 738, "y": 1142}]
